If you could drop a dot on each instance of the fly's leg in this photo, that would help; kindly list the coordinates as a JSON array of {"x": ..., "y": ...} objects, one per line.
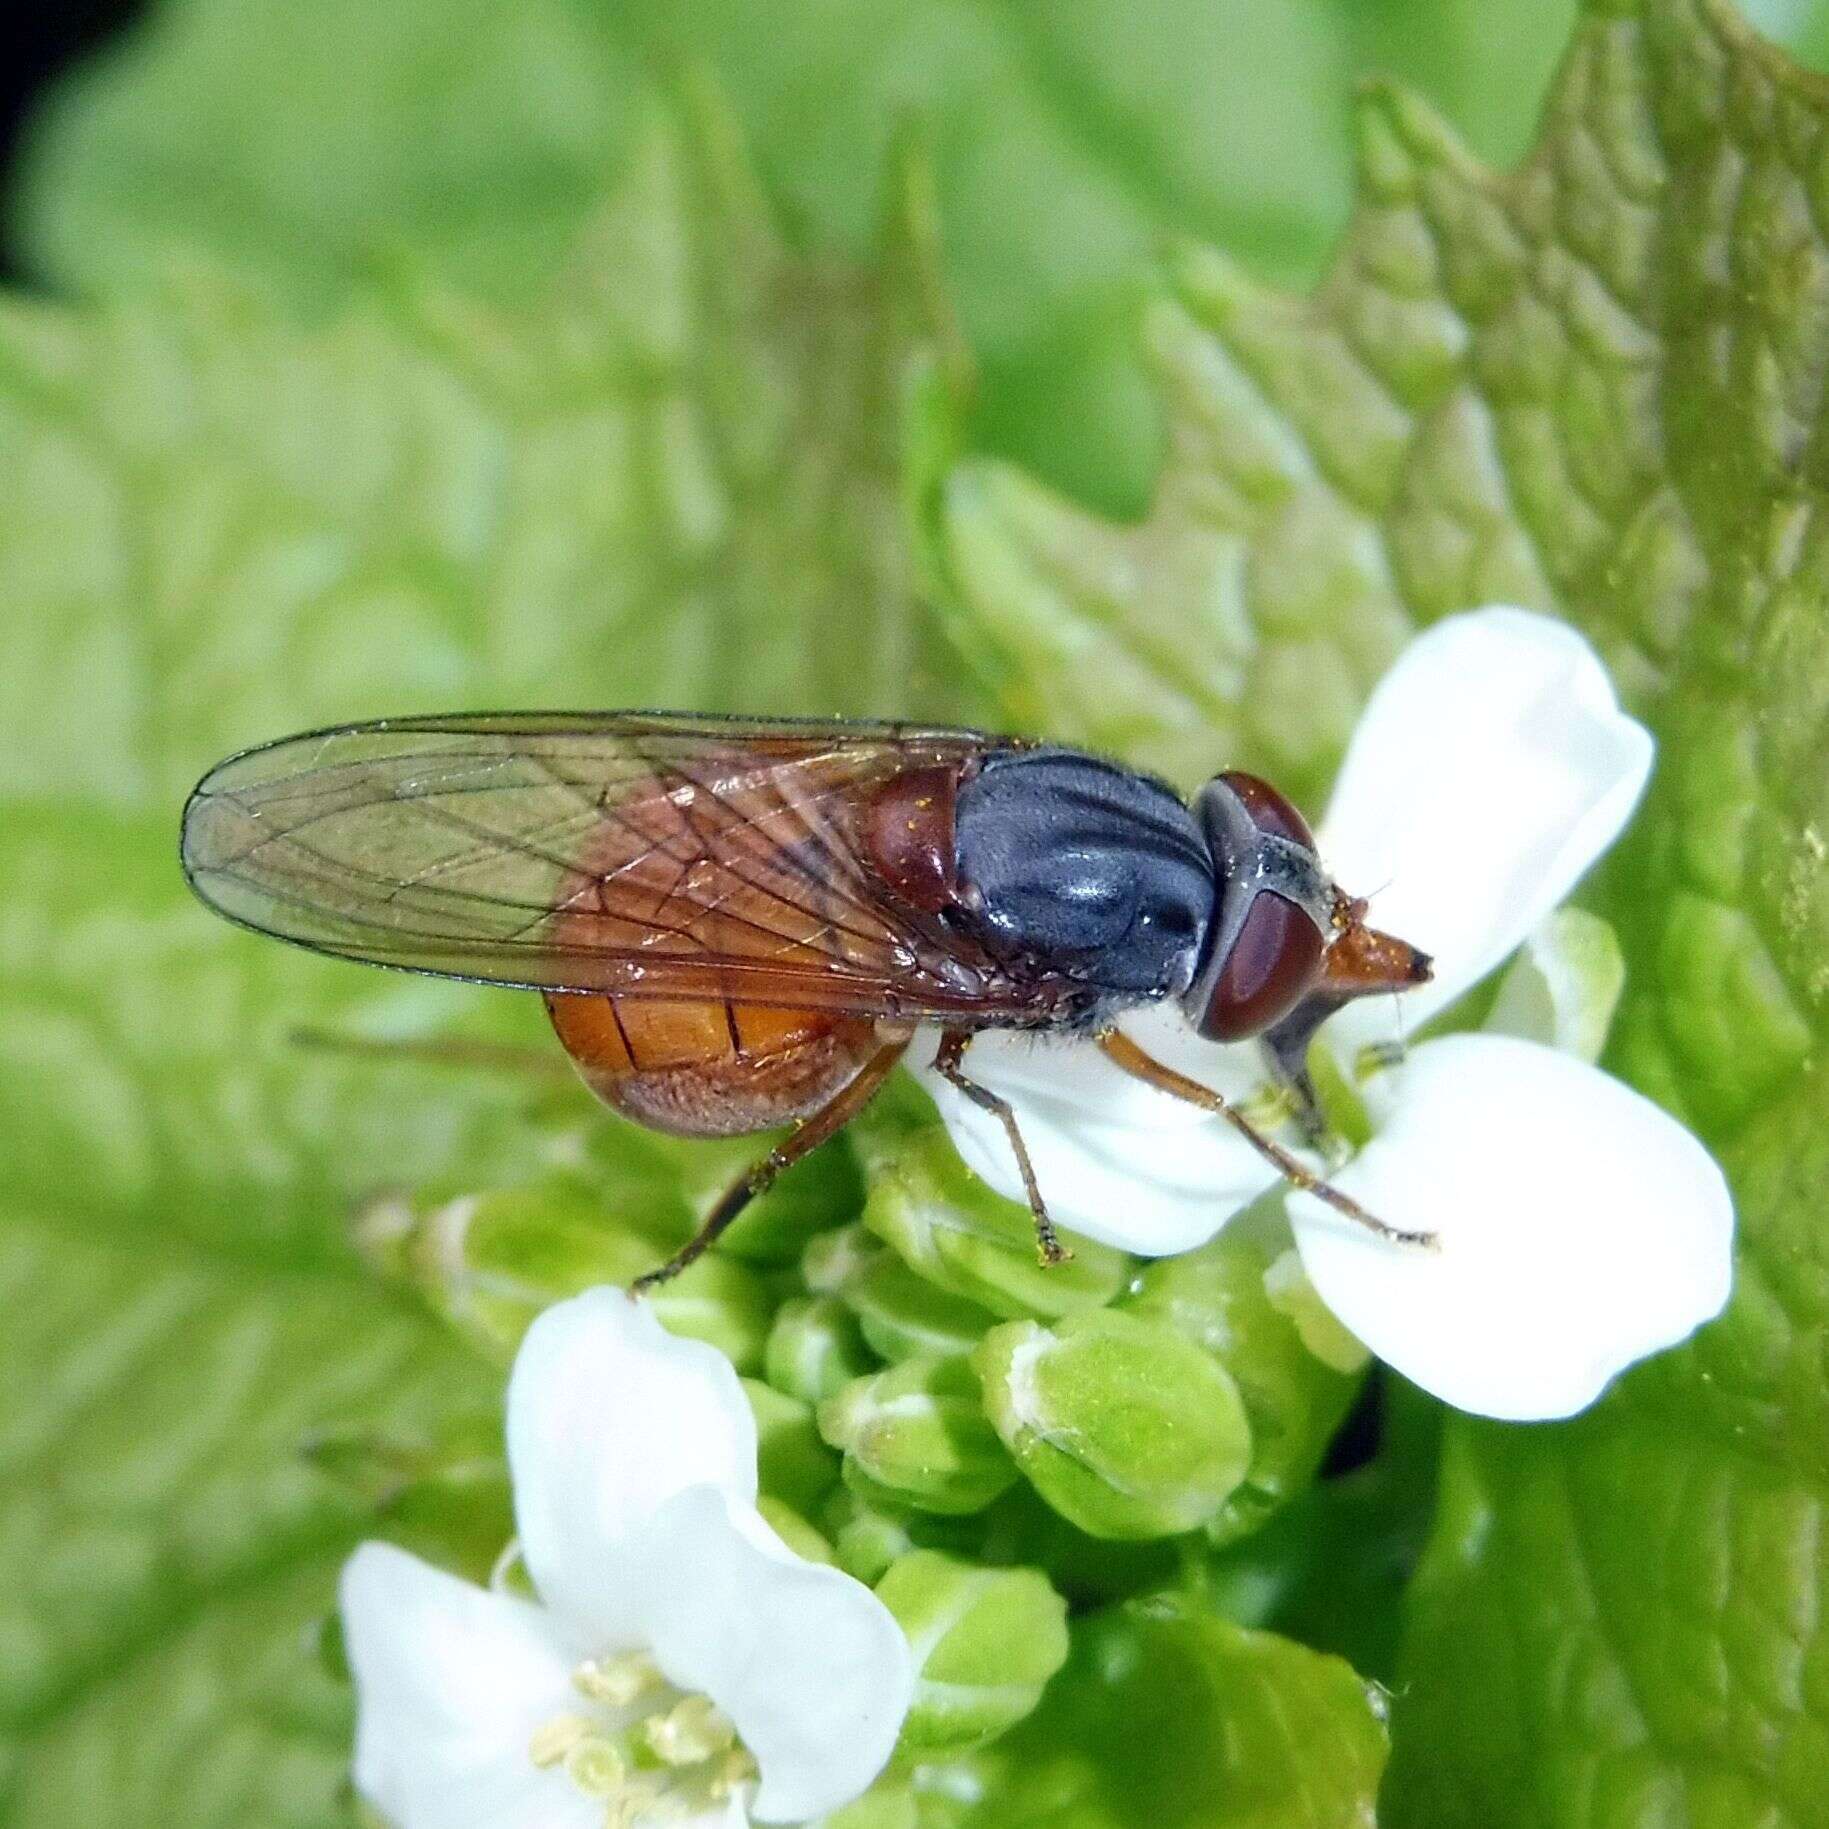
[
  {"x": 1286, "y": 1047},
  {"x": 1125, "y": 1053},
  {"x": 947, "y": 1063},
  {"x": 824, "y": 1124}
]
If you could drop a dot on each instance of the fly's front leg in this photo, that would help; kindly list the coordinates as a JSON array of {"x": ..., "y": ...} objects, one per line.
[
  {"x": 947, "y": 1063},
  {"x": 824, "y": 1124},
  {"x": 1119, "y": 1048}
]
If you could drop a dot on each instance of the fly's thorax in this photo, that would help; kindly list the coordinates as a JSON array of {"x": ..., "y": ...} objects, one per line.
[{"x": 1068, "y": 866}]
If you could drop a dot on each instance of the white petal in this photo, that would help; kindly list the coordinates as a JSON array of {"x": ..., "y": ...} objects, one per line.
[
  {"x": 451, "y": 1682},
  {"x": 1115, "y": 1159},
  {"x": 808, "y": 1663},
  {"x": 608, "y": 1417},
  {"x": 1491, "y": 767},
  {"x": 1581, "y": 1228}
]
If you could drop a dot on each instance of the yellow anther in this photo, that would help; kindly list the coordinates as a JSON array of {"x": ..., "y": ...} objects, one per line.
[
  {"x": 617, "y": 1681},
  {"x": 634, "y": 1803},
  {"x": 693, "y": 1730},
  {"x": 1268, "y": 1107},
  {"x": 735, "y": 1769},
  {"x": 596, "y": 1766},
  {"x": 553, "y": 1739}
]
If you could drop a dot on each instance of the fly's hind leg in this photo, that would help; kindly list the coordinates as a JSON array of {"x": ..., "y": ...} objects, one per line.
[
  {"x": 1120, "y": 1049},
  {"x": 947, "y": 1063},
  {"x": 824, "y": 1124}
]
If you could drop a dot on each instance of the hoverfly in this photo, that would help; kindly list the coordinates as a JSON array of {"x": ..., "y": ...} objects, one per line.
[{"x": 739, "y": 923}]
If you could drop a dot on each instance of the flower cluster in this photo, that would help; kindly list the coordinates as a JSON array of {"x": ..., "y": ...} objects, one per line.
[
  {"x": 1580, "y": 1227},
  {"x": 970, "y": 1433},
  {"x": 677, "y": 1662}
]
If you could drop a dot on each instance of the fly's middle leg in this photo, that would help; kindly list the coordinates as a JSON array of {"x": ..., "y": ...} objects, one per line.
[{"x": 948, "y": 1064}]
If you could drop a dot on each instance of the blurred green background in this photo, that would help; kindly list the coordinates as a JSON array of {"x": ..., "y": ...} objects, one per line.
[{"x": 365, "y": 357}]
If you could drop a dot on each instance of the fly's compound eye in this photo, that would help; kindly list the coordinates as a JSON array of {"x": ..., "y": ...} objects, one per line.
[
  {"x": 1271, "y": 927},
  {"x": 1272, "y": 964},
  {"x": 1268, "y": 808}
]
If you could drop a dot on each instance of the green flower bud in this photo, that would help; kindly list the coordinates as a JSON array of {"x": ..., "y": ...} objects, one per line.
[
  {"x": 916, "y": 1435},
  {"x": 794, "y": 1530},
  {"x": 719, "y": 1301},
  {"x": 1242, "y": 1300},
  {"x": 904, "y": 1316},
  {"x": 492, "y": 1261},
  {"x": 1126, "y": 1428},
  {"x": 1022, "y": 1528},
  {"x": 833, "y": 1262},
  {"x": 888, "y": 1804},
  {"x": 870, "y": 1533},
  {"x": 820, "y": 1191},
  {"x": 954, "y": 1230},
  {"x": 1292, "y": 1295},
  {"x": 987, "y": 1642},
  {"x": 792, "y": 1463},
  {"x": 867, "y": 1538},
  {"x": 815, "y": 1348},
  {"x": 1563, "y": 986}
]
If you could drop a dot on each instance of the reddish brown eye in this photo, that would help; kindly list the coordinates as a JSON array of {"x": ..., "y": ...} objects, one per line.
[
  {"x": 1270, "y": 811},
  {"x": 1273, "y": 963}
]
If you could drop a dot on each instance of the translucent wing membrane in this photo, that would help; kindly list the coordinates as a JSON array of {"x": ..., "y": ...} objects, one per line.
[{"x": 642, "y": 854}]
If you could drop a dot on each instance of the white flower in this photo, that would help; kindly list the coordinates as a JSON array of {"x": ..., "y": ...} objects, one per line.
[
  {"x": 681, "y": 1665},
  {"x": 1579, "y": 1227}
]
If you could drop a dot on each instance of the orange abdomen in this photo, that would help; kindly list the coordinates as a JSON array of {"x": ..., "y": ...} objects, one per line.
[{"x": 713, "y": 1069}]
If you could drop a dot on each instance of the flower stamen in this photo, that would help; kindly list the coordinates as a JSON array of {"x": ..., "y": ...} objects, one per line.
[
  {"x": 736, "y": 1769},
  {"x": 618, "y": 1681},
  {"x": 638, "y": 1801},
  {"x": 554, "y": 1739},
  {"x": 597, "y": 1767},
  {"x": 647, "y": 1752},
  {"x": 690, "y": 1733}
]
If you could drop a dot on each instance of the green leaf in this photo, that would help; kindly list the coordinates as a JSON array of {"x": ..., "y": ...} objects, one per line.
[
  {"x": 309, "y": 146},
  {"x": 182, "y": 1316},
  {"x": 1288, "y": 1738},
  {"x": 677, "y": 477},
  {"x": 675, "y": 480},
  {"x": 1592, "y": 386}
]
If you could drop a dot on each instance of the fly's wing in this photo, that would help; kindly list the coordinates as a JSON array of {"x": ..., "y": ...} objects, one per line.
[{"x": 640, "y": 854}]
